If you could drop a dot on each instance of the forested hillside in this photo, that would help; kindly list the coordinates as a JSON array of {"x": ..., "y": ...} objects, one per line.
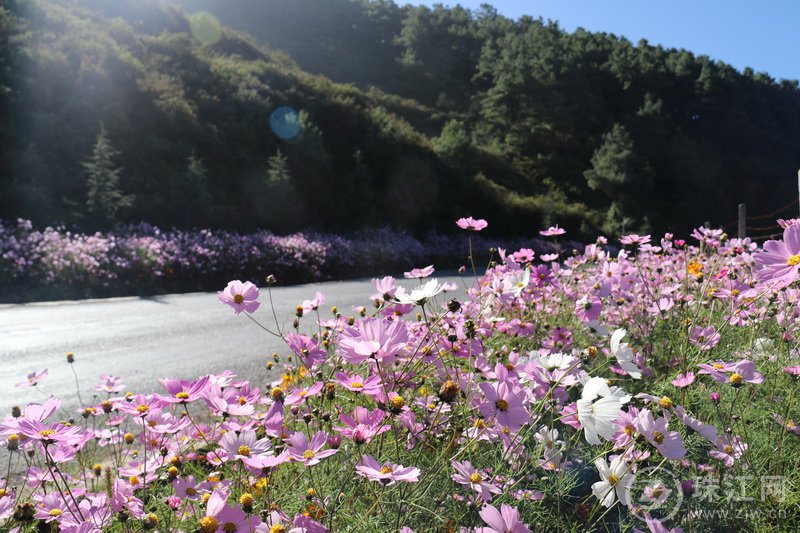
[{"x": 409, "y": 117}]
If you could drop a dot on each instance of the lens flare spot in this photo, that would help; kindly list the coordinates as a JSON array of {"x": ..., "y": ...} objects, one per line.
[
  {"x": 205, "y": 27},
  {"x": 285, "y": 123}
]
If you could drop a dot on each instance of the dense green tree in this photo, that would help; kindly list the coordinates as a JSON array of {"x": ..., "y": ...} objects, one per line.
[{"x": 104, "y": 196}]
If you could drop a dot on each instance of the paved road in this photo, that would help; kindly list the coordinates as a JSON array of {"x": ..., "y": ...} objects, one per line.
[{"x": 144, "y": 339}]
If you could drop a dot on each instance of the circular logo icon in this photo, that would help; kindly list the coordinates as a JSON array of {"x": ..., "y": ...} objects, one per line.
[{"x": 654, "y": 491}]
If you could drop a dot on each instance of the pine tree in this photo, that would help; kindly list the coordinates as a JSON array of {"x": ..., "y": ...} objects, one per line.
[
  {"x": 104, "y": 197},
  {"x": 278, "y": 169}
]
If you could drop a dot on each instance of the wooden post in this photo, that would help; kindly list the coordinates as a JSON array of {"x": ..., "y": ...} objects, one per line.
[{"x": 742, "y": 221}]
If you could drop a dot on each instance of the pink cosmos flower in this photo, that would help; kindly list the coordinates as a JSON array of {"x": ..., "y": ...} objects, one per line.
[
  {"x": 683, "y": 380},
  {"x": 374, "y": 338},
  {"x": 356, "y": 383},
  {"x": 704, "y": 338},
  {"x": 669, "y": 443},
  {"x": 504, "y": 402},
  {"x": 313, "y": 305},
  {"x": 240, "y": 296},
  {"x": 300, "y": 394},
  {"x": 110, "y": 384},
  {"x": 728, "y": 450},
  {"x": 634, "y": 239},
  {"x": 523, "y": 255},
  {"x": 51, "y": 508},
  {"x": 309, "y": 453},
  {"x": 310, "y": 352},
  {"x": 32, "y": 379},
  {"x": 468, "y": 475},
  {"x": 740, "y": 373},
  {"x": 385, "y": 287},
  {"x": 243, "y": 445},
  {"x": 588, "y": 308},
  {"x": 506, "y": 520},
  {"x": 553, "y": 231},
  {"x": 471, "y": 224},
  {"x": 419, "y": 273},
  {"x": 779, "y": 261},
  {"x": 386, "y": 473},
  {"x": 188, "y": 488},
  {"x": 363, "y": 425},
  {"x": 184, "y": 391}
]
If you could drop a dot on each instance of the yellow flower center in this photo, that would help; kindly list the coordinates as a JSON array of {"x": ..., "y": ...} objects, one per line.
[
  {"x": 628, "y": 430},
  {"x": 509, "y": 366},
  {"x": 735, "y": 293},
  {"x": 309, "y": 454},
  {"x": 190, "y": 491},
  {"x": 613, "y": 480},
  {"x": 277, "y": 529},
  {"x": 244, "y": 450},
  {"x": 718, "y": 366},
  {"x": 736, "y": 379},
  {"x": 398, "y": 402},
  {"x": 142, "y": 408},
  {"x": 501, "y": 405},
  {"x": 277, "y": 393},
  {"x": 55, "y": 512},
  {"x": 357, "y": 385},
  {"x": 476, "y": 478},
  {"x": 208, "y": 524},
  {"x": 665, "y": 402},
  {"x": 793, "y": 260},
  {"x": 133, "y": 480},
  {"x": 229, "y": 527},
  {"x": 729, "y": 449},
  {"x": 479, "y": 423},
  {"x": 238, "y": 299},
  {"x": 183, "y": 395},
  {"x": 46, "y": 432},
  {"x": 658, "y": 437},
  {"x": 386, "y": 470},
  {"x": 242, "y": 400}
]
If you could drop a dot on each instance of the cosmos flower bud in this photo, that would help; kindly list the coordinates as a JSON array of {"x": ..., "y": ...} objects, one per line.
[
  {"x": 128, "y": 438},
  {"x": 16, "y": 412},
  {"x": 247, "y": 501},
  {"x": 271, "y": 280},
  {"x": 97, "y": 469},
  {"x": 12, "y": 443},
  {"x": 70, "y": 357},
  {"x": 298, "y": 311},
  {"x": 715, "y": 397}
]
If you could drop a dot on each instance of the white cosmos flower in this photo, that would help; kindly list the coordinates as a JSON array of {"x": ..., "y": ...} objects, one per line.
[
  {"x": 557, "y": 361},
  {"x": 624, "y": 355},
  {"x": 420, "y": 295},
  {"x": 616, "y": 481},
  {"x": 601, "y": 330},
  {"x": 598, "y": 408},
  {"x": 516, "y": 282}
]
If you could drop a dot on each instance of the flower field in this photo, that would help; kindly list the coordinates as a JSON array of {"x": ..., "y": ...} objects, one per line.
[
  {"x": 648, "y": 386},
  {"x": 57, "y": 263}
]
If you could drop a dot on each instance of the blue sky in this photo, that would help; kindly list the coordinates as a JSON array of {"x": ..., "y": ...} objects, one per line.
[{"x": 763, "y": 35}]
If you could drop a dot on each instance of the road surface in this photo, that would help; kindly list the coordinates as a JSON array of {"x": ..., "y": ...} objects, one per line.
[{"x": 144, "y": 339}]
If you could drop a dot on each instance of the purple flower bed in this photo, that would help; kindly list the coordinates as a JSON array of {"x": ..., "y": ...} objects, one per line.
[{"x": 144, "y": 259}]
